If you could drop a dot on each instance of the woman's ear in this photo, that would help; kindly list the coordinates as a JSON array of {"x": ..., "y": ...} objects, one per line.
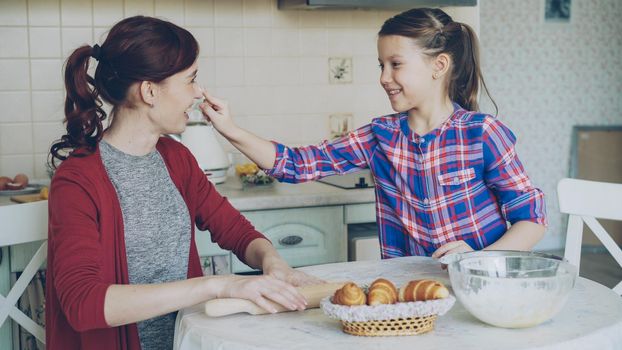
[
  {"x": 148, "y": 92},
  {"x": 442, "y": 63}
]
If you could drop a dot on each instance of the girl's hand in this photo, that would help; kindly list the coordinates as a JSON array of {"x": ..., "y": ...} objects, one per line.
[
  {"x": 261, "y": 290},
  {"x": 279, "y": 269},
  {"x": 451, "y": 248},
  {"x": 217, "y": 112}
]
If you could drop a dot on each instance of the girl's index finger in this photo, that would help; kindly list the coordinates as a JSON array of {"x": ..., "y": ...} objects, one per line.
[{"x": 211, "y": 99}]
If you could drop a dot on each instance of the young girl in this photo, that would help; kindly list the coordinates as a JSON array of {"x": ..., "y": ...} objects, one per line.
[
  {"x": 447, "y": 179},
  {"x": 124, "y": 203}
]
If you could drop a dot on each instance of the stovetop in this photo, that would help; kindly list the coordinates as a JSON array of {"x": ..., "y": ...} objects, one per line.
[{"x": 351, "y": 181}]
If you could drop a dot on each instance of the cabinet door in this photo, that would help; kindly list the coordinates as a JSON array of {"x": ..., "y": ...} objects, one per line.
[{"x": 302, "y": 236}]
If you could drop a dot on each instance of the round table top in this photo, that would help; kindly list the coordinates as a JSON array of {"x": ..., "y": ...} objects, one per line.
[{"x": 592, "y": 318}]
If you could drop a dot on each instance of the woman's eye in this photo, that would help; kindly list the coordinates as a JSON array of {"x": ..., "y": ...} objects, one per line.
[
  {"x": 395, "y": 64},
  {"x": 381, "y": 66}
]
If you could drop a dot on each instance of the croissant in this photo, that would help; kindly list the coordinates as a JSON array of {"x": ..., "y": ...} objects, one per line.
[
  {"x": 349, "y": 294},
  {"x": 381, "y": 291},
  {"x": 420, "y": 290}
]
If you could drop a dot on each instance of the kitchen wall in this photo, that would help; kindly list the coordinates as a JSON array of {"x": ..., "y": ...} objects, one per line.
[
  {"x": 272, "y": 66},
  {"x": 547, "y": 77}
]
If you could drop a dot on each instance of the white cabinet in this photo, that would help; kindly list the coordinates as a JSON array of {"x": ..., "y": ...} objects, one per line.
[{"x": 302, "y": 236}]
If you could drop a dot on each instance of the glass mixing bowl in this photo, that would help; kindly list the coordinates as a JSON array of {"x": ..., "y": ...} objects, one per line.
[{"x": 512, "y": 289}]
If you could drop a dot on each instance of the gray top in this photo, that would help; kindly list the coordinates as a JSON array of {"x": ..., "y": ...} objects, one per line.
[{"x": 157, "y": 230}]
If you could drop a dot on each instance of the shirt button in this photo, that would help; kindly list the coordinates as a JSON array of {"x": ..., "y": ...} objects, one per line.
[{"x": 426, "y": 201}]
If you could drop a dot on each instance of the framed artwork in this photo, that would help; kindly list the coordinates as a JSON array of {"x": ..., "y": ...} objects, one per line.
[{"x": 557, "y": 10}]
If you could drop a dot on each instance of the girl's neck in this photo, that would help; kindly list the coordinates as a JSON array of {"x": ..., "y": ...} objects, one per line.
[
  {"x": 132, "y": 133},
  {"x": 429, "y": 117}
]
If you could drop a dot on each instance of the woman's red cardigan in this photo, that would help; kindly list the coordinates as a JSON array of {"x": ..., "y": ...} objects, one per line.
[{"x": 86, "y": 247}]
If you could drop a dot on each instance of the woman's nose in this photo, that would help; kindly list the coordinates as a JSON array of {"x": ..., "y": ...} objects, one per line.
[{"x": 198, "y": 92}]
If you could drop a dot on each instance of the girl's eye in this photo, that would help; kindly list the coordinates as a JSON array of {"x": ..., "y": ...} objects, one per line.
[
  {"x": 194, "y": 80},
  {"x": 395, "y": 64},
  {"x": 381, "y": 66}
]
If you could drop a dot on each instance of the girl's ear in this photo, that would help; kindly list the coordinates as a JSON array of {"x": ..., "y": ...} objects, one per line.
[
  {"x": 442, "y": 62},
  {"x": 148, "y": 91}
]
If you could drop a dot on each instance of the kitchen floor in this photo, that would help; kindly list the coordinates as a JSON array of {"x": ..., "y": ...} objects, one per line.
[{"x": 598, "y": 266}]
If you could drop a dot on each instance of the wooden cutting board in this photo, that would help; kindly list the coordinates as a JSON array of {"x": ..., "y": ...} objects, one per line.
[
  {"x": 228, "y": 306},
  {"x": 27, "y": 198}
]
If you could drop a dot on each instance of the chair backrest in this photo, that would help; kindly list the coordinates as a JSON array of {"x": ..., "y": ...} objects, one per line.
[
  {"x": 585, "y": 201},
  {"x": 23, "y": 223}
]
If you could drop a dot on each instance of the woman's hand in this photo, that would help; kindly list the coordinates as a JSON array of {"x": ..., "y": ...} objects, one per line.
[
  {"x": 279, "y": 269},
  {"x": 261, "y": 290},
  {"x": 217, "y": 112}
]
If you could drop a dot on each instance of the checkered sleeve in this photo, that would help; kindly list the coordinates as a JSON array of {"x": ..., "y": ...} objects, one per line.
[
  {"x": 340, "y": 156},
  {"x": 504, "y": 174}
]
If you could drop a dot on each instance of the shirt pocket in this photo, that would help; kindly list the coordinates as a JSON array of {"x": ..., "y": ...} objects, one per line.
[{"x": 456, "y": 178}]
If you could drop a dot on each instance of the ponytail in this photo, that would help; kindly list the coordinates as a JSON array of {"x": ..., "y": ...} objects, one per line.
[
  {"x": 436, "y": 32},
  {"x": 467, "y": 76},
  {"x": 83, "y": 108},
  {"x": 136, "y": 49}
]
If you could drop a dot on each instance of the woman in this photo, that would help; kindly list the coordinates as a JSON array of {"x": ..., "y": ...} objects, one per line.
[{"x": 122, "y": 258}]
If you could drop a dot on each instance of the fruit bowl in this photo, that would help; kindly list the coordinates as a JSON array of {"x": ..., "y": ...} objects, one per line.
[
  {"x": 512, "y": 289},
  {"x": 250, "y": 174}
]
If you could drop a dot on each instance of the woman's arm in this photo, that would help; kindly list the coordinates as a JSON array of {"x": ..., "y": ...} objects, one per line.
[
  {"x": 126, "y": 304},
  {"x": 132, "y": 303},
  {"x": 260, "y": 254}
]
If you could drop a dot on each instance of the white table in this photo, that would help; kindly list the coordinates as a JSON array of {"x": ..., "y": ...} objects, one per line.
[{"x": 591, "y": 319}]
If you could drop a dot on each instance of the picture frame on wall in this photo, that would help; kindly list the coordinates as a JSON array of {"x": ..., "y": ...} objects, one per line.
[{"x": 557, "y": 10}]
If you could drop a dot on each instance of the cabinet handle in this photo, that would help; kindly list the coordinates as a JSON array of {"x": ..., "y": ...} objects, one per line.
[{"x": 290, "y": 240}]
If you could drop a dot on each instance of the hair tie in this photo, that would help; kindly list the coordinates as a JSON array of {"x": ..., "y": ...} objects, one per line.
[{"x": 96, "y": 52}]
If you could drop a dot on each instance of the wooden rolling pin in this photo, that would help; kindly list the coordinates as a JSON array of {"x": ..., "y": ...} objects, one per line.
[{"x": 228, "y": 306}]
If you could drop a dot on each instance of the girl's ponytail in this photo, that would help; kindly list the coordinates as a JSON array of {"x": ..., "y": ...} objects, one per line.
[
  {"x": 467, "y": 75},
  {"x": 83, "y": 109}
]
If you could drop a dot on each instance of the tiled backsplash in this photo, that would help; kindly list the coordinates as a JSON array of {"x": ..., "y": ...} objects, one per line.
[{"x": 272, "y": 66}]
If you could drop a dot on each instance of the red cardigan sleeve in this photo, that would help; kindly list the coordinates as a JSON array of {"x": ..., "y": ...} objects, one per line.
[
  {"x": 228, "y": 227},
  {"x": 74, "y": 239}
]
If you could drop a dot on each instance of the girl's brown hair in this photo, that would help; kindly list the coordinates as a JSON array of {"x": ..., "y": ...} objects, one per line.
[
  {"x": 136, "y": 49},
  {"x": 436, "y": 32}
]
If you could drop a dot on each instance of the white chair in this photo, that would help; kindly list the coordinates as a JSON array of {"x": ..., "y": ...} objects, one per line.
[
  {"x": 23, "y": 223},
  {"x": 586, "y": 201}
]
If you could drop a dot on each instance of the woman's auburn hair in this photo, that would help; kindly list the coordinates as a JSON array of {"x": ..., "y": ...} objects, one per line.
[
  {"x": 136, "y": 49},
  {"x": 435, "y": 32}
]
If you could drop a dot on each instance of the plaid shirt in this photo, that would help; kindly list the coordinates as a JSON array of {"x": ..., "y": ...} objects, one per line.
[{"x": 461, "y": 181}]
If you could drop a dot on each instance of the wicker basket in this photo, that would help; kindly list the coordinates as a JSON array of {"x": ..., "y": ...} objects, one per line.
[
  {"x": 409, "y": 318},
  {"x": 400, "y": 326}
]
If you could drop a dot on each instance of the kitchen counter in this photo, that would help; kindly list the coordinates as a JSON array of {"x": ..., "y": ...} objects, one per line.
[{"x": 283, "y": 195}]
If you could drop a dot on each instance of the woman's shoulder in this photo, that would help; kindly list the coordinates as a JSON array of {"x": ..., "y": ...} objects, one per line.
[
  {"x": 80, "y": 160},
  {"x": 170, "y": 148}
]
